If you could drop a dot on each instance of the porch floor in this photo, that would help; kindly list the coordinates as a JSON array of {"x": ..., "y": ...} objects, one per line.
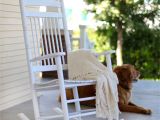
[{"x": 145, "y": 93}]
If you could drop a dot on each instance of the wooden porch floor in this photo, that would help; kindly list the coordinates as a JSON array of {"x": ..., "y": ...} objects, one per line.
[{"x": 145, "y": 93}]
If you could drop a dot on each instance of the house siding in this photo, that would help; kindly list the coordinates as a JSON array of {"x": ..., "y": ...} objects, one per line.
[{"x": 14, "y": 78}]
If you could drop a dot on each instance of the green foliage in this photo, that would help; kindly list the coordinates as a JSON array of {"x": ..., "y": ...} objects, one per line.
[
  {"x": 141, "y": 39},
  {"x": 141, "y": 48},
  {"x": 99, "y": 40}
]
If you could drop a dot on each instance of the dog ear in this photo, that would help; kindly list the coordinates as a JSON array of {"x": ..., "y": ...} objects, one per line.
[
  {"x": 123, "y": 73},
  {"x": 118, "y": 71}
]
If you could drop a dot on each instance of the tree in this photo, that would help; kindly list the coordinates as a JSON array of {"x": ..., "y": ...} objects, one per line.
[{"x": 118, "y": 17}]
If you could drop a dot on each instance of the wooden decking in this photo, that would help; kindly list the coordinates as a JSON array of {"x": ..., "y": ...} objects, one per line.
[{"x": 145, "y": 93}]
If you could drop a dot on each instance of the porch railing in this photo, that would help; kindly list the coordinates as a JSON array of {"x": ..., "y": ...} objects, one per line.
[{"x": 83, "y": 40}]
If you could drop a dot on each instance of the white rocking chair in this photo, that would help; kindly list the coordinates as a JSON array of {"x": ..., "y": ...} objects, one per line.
[{"x": 46, "y": 52}]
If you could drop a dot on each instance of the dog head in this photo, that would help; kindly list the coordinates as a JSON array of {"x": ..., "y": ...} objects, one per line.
[{"x": 126, "y": 75}]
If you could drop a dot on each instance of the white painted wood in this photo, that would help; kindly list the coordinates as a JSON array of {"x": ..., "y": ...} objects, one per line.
[
  {"x": 14, "y": 81},
  {"x": 65, "y": 27},
  {"x": 47, "y": 56},
  {"x": 14, "y": 90},
  {"x": 11, "y": 40},
  {"x": 69, "y": 85},
  {"x": 10, "y": 34},
  {"x": 30, "y": 55},
  {"x": 62, "y": 89},
  {"x": 13, "y": 84},
  {"x": 9, "y": 7},
  {"x": 9, "y": 21},
  {"x": 9, "y": 14},
  {"x": 84, "y": 41},
  {"x": 51, "y": 117},
  {"x": 40, "y": 47},
  {"x": 42, "y": 14},
  {"x": 16, "y": 52},
  {"x": 107, "y": 54},
  {"x": 81, "y": 99},
  {"x": 77, "y": 101},
  {"x": 11, "y": 27},
  {"x": 14, "y": 102},
  {"x": 13, "y": 2},
  {"x": 14, "y": 96},
  {"x": 16, "y": 77},
  {"x": 9, "y": 66},
  {"x": 10, "y": 48},
  {"x": 83, "y": 36},
  {"x": 16, "y": 58},
  {"x": 14, "y": 71},
  {"x": 47, "y": 68},
  {"x": 52, "y": 3}
]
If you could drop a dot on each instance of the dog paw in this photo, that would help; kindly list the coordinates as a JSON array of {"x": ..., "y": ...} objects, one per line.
[{"x": 148, "y": 112}]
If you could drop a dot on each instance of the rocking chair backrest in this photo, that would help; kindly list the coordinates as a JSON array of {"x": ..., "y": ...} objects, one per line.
[{"x": 43, "y": 33}]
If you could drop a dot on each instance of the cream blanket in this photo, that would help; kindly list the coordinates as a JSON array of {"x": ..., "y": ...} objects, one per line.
[{"x": 83, "y": 65}]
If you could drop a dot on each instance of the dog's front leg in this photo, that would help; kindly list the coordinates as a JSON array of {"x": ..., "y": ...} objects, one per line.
[
  {"x": 133, "y": 109},
  {"x": 132, "y": 104}
]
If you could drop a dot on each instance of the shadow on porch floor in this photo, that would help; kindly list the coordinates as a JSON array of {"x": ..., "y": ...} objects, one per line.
[{"x": 145, "y": 93}]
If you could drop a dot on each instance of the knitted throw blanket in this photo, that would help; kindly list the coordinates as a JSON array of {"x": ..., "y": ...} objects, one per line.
[{"x": 83, "y": 65}]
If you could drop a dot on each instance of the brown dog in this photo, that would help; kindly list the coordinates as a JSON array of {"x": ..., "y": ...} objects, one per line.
[{"x": 126, "y": 75}]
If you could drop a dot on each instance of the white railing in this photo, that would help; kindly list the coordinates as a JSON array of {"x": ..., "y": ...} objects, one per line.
[{"x": 83, "y": 40}]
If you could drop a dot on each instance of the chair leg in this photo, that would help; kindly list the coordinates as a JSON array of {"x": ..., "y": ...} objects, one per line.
[
  {"x": 35, "y": 105},
  {"x": 77, "y": 104},
  {"x": 64, "y": 104},
  {"x": 62, "y": 88}
]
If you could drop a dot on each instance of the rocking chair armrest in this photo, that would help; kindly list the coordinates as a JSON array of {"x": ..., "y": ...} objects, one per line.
[
  {"x": 53, "y": 55},
  {"x": 108, "y": 52}
]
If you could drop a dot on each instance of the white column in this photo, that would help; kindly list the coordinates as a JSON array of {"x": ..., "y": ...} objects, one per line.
[{"x": 83, "y": 36}]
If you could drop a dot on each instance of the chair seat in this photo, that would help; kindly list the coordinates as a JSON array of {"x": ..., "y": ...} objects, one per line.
[
  {"x": 53, "y": 84},
  {"x": 73, "y": 83},
  {"x": 41, "y": 85}
]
